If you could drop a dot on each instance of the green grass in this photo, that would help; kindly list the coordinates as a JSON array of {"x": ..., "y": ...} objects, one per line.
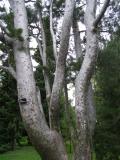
[{"x": 24, "y": 153}]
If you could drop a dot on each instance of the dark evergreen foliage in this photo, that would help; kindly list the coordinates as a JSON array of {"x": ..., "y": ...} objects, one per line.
[{"x": 107, "y": 95}]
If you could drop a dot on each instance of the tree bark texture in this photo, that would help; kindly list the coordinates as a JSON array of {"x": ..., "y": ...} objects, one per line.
[
  {"x": 60, "y": 64},
  {"x": 83, "y": 151},
  {"x": 47, "y": 142}
]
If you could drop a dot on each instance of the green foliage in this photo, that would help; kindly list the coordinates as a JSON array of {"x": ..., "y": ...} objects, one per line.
[
  {"x": 58, "y": 8},
  {"x": 32, "y": 18},
  {"x": 16, "y": 33},
  {"x": 11, "y": 128},
  {"x": 107, "y": 95}
]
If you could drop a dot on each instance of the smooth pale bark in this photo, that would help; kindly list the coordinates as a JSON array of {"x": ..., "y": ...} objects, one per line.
[
  {"x": 44, "y": 59},
  {"x": 77, "y": 40},
  {"x": 91, "y": 110},
  {"x": 83, "y": 151},
  {"x": 79, "y": 56},
  {"x": 48, "y": 143},
  {"x": 39, "y": 100},
  {"x": 52, "y": 32},
  {"x": 60, "y": 65},
  {"x": 46, "y": 78},
  {"x": 83, "y": 89}
]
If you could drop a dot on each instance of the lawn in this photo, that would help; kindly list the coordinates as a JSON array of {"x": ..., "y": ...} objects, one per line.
[{"x": 24, "y": 153}]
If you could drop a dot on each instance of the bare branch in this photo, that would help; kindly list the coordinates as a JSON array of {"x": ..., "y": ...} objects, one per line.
[
  {"x": 9, "y": 70},
  {"x": 43, "y": 38},
  {"x": 42, "y": 50},
  {"x": 52, "y": 32},
  {"x": 77, "y": 40},
  {"x": 39, "y": 100},
  {"x": 46, "y": 78},
  {"x": 101, "y": 14},
  {"x": 60, "y": 64}
]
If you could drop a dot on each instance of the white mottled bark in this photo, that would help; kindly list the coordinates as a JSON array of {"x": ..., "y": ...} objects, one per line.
[
  {"x": 82, "y": 82},
  {"x": 79, "y": 56},
  {"x": 91, "y": 110},
  {"x": 83, "y": 148},
  {"x": 60, "y": 64},
  {"x": 52, "y": 32},
  {"x": 44, "y": 140}
]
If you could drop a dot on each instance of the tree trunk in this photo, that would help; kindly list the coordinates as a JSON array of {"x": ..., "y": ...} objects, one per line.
[
  {"x": 48, "y": 143},
  {"x": 83, "y": 148}
]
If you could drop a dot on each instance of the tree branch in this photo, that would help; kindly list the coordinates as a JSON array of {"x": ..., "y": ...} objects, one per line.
[
  {"x": 101, "y": 14},
  {"x": 9, "y": 70},
  {"x": 43, "y": 38},
  {"x": 39, "y": 100},
  {"x": 42, "y": 50},
  {"x": 60, "y": 64},
  {"x": 77, "y": 40},
  {"x": 52, "y": 32}
]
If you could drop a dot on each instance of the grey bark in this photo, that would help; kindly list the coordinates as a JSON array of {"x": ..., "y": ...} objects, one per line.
[
  {"x": 77, "y": 40},
  {"x": 47, "y": 141},
  {"x": 44, "y": 139},
  {"x": 52, "y": 32},
  {"x": 42, "y": 50},
  {"x": 79, "y": 56},
  {"x": 39, "y": 100},
  {"x": 91, "y": 112},
  {"x": 60, "y": 65},
  {"x": 83, "y": 148},
  {"x": 101, "y": 14}
]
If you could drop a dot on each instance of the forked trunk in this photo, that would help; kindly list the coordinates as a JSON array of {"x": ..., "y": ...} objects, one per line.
[{"x": 48, "y": 143}]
